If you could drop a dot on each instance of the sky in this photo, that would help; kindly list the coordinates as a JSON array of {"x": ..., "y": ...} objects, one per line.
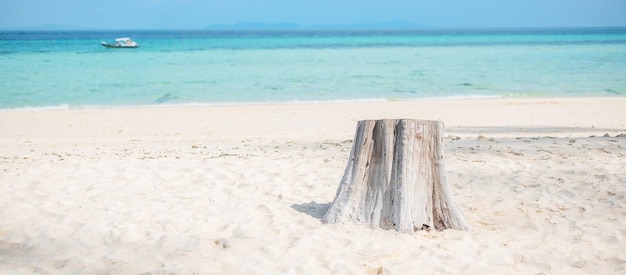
[{"x": 197, "y": 14}]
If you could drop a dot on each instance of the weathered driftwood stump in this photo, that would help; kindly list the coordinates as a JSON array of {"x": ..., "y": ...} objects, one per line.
[{"x": 396, "y": 178}]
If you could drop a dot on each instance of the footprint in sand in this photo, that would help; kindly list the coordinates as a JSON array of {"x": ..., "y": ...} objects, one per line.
[
  {"x": 262, "y": 215},
  {"x": 111, "y": 237},
  {"x": 340, "y": 243},
  {"x": 222, "y": 242}
]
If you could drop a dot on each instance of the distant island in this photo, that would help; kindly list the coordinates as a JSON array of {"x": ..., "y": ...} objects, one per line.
[
  {"x": 47, "y": 27},
  {"x": 389, "y": 25}
]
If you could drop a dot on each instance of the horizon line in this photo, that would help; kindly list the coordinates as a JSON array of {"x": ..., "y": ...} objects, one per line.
[
  {"x": 310, "y": 28},
  {"x": 263, "y": 26}
]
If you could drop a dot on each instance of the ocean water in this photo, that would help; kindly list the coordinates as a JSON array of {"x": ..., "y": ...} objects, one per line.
[{"x": 43, "y": 70}]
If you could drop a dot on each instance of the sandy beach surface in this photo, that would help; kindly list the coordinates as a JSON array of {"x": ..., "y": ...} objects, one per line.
[{"x": 241, "y": 190}]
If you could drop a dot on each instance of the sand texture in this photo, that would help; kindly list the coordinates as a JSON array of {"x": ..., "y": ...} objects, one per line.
[{"x": 242, "y": 189}]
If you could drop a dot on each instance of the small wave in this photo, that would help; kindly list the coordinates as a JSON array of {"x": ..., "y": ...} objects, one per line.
[
  {"x": 164, "y": 98},
  {"x": 305, "y": 102},
  {"x": 40, "y": 108},
  {"x": 456, "y": 97},
  {"x": 253, "y": 103},
  {"x": 611, "y": 91},
  {"x": 236, "y": 103}
]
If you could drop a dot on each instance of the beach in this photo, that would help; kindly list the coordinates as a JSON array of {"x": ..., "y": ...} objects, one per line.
[{"x": 241, "y": 189}]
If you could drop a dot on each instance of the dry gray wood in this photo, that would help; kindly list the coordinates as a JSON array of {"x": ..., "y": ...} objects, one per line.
[{"x": 396, "y": 179}]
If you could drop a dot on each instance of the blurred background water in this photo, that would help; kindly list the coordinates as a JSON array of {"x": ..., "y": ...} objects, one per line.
[{"x": 60, "y": 69}]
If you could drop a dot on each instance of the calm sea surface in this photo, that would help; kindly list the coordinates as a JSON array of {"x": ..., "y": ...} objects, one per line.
[{"x": 42, "y": 70}]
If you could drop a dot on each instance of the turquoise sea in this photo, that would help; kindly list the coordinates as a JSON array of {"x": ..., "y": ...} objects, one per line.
[{"x": 61, "y": 69}]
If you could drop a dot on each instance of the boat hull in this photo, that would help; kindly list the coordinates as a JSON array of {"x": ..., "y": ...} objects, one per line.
[{"x": 107, "y": 45}]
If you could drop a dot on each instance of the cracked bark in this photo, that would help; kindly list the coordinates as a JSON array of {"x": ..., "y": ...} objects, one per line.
[{"x": 395, "y": 179}]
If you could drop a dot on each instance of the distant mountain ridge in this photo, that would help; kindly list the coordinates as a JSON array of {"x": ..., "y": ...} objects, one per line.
[
  {"x": 254, "y": 26},
  {"x": 389, "y": 25},
  {"x": 48, "y": 27}
]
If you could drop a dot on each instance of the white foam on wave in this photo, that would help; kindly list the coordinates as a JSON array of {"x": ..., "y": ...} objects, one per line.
[
  {"x": 39, "y": 108},
  {"x": 246, "y": 103},
  {"x": 305, "y": 102},
  {"x": 459, "y": 97},
  {"x": 255, "y": 103}
]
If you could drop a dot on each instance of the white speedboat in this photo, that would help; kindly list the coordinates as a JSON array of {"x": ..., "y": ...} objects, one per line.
[{"x": 122, "y": 42}]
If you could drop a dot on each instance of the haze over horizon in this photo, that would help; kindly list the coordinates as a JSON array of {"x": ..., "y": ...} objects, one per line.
[{"x": 199, "y": 14}]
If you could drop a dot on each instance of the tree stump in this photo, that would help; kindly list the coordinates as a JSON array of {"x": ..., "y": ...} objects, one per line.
[{"x": 396, "y": 178}]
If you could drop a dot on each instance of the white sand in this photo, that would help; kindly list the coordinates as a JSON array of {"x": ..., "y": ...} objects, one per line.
[{"x": 241, "y": 189}]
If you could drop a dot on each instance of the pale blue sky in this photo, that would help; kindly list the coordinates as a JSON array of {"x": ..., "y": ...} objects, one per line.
[{"x": 197, "y": 14}]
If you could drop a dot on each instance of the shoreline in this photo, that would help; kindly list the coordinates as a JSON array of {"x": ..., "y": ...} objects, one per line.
[
  {"x": 68, "y": 107},
  {"x": 242, "y": 189},
  {"x": 495, "y": 117}
]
